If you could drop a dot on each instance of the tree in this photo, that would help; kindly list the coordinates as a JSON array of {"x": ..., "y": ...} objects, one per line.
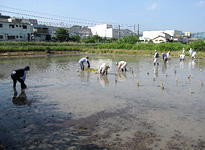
[
  {"x": 129, "y": 39},
  {"x": 198, "y": 45},
  {"x": 62, "y": 34},
  {"x": 75, "y": 38}
]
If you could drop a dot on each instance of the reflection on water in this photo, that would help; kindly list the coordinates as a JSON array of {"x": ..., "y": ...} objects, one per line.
[
  {"x": 20, "y": 99},
  {"x": 192, "y": 64},
  {"x": 104, "y": 80},
  {"x": 122, "y": 76},
  {"x": 164, "y": 67},
  {"x": 156, "y": 71},
  {"x": 70, "y": 94},
  {"x": 181, "y": 64}
]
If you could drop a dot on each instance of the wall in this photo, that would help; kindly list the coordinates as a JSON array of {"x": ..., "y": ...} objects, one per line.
[
  {"x": 15, "y": 31},
  {"x": 154, "y": 34}
]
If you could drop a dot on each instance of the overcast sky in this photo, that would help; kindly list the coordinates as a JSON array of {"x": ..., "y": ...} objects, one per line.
[{"x": 183, "y": 15}]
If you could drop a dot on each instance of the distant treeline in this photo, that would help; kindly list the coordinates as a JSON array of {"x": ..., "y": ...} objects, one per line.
[
  {"x": 196, "y": 46},
  {"x": 96, "y": 44}
]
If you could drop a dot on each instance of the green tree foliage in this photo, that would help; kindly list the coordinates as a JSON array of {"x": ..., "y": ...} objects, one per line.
[
  {"x": 62, "y": 34},
  {"x": 88, "y": 39},
  {"x": 112, "y": 40},
  {"x": 198, "y": 45},
  {"x": 93, "y": 39},
  {"x": 129, "y": 39},
  {"x": 75, "y": 38},
  {"x": 170, "y": 46}
]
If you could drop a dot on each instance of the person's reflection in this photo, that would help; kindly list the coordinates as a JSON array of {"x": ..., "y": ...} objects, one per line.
[
  {"x": 82, "y": 75},
  {"x": 104, "y": 80},
  {"x": 192, "y": 64},
  {"x": 21, "y": 99},
  {"x": 155, "y": 72},
  {"x": 164, "y": 67},
  {"x": 122, "y": 76},
  {"x": 181, "y": 64}
]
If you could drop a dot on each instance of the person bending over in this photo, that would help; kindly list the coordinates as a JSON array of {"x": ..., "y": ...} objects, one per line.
[
  {"x": 104, "y": 68},
  {"x": 20, "y": 76},
  {"x": 121, "y": 66},
  {"x": 82, "y": 60}
]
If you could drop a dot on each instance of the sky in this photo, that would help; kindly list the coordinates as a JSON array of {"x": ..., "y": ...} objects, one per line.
[{"x": 183, "y": 15}]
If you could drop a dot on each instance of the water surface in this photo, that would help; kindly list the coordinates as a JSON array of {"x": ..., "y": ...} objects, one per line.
[{"x": 66, "y": 108}]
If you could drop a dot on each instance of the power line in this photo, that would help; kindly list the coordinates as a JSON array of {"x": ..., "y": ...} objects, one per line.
[
  {"x": 58, "y": 16},
  {"x": 66, "y": 20}
]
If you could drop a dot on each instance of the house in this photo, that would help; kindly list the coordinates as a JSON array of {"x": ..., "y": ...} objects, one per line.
[
  {"x": 41, "y": 33},
  {"x": 80, "y": 30},
  {"x": 21, "y": 29},
  {"x": 15, "y": 29},
  {"x": 52, "y": 30},
  {"x": 162, "y": 36},
  {"x": 122, "y": 32}
]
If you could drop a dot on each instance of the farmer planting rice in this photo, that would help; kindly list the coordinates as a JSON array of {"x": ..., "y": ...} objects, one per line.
[
  {"x": 104, "y": 68},
  {"x": 20, "y": 76},
  {"x": 121, "y": 66},
  {"x": 81, "y": 62}
]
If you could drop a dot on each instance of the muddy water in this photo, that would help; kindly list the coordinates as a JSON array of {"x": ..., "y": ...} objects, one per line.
[{"x": 65, "y": 108}]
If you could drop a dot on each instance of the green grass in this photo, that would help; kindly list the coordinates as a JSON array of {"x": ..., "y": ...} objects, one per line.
[{"x": 143, "y": 49}]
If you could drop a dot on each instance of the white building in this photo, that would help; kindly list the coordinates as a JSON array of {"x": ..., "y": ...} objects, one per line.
[
  {"x": 15, "y": 29},
  {"x": 162, "y": 36},
  {"x": 106, "y": 30},
  {"x": 102, "y": 30}
]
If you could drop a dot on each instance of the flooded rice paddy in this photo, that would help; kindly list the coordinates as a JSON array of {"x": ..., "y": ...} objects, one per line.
[{"x": 146, "y": 108}]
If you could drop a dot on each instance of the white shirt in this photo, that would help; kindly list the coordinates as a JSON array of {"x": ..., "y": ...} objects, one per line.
[{"x": 83, "y": 60}]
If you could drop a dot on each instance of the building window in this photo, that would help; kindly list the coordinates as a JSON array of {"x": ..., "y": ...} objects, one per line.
[
  {"x": 16, "y": 25},
  {"x": 11, "y": 37},
  {"x": 24, "y": 27},
  {"x": 17, "y": 37},
  {"x": 21, "y": 37},
  {"x": 1, "y": 25},
  {"x": 20, "y": 26},
  {"x": 1, "y": 37},
  {"x": 11, "y": 26}
]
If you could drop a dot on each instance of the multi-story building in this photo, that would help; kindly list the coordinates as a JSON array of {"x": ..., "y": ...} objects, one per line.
[
  {"x": 15, "y": 29},
  {"x": 102, "y": 30},
  {"x": 106, "y": 30},
  {"x": 20, "y": 29},
  {"x": 41, "y": 33}
]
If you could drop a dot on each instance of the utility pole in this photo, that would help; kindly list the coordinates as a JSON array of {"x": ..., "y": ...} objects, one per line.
[
  {"x": 134, "y": 30},
  {"x": 118, "y": 31},
  {"x": 138, "y": 30}
]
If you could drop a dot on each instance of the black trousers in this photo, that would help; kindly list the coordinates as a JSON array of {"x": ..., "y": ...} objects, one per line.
[
  {"x": 81, "y": 65},
  {"x": 15, "y": 79}
]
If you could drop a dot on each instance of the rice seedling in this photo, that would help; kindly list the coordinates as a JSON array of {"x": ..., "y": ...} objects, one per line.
[
  {"x": 162, "y": 85},
  {"x": 202, "y": 83},
  {"x": 191, "y": 91}
]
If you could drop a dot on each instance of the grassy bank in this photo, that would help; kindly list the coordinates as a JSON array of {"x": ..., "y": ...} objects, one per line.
[{"x": 142, "y": 49}]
